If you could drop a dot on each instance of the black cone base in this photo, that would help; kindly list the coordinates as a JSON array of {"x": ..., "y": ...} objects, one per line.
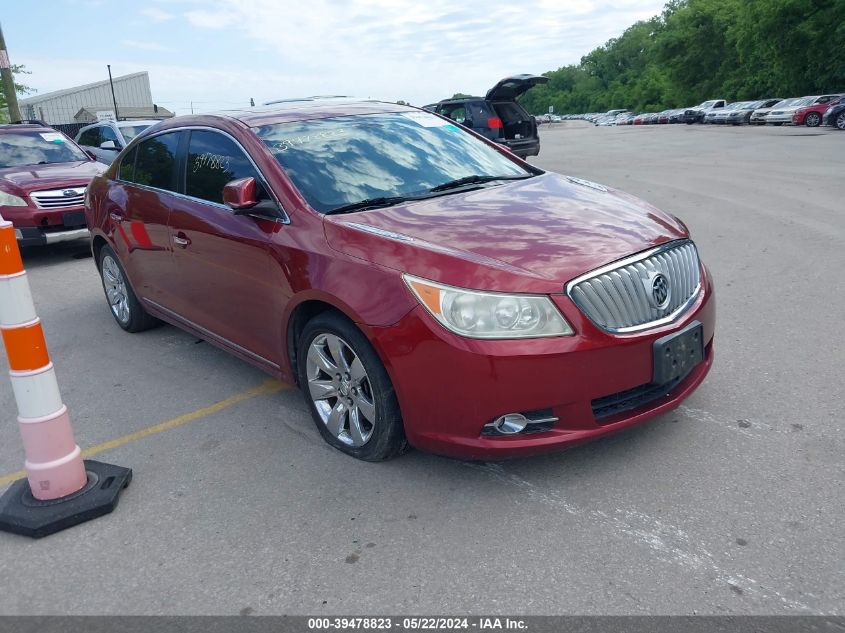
[{"x": 21, "y": 513}]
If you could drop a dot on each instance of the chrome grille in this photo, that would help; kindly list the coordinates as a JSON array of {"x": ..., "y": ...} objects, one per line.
[
  {"x": 59, "y": 198},
  {"x": 620, "y": 297}
]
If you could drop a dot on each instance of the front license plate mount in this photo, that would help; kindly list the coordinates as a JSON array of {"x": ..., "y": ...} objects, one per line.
[
  {"x": 73, "y": 219},
  {"x": 676, "y": 354}
]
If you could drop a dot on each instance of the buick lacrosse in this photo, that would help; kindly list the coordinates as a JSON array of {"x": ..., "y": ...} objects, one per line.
[{"x": 420, "y": 284}]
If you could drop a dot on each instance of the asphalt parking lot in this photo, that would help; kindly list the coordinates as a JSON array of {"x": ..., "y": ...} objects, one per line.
[{"x": 733, "y": 504}]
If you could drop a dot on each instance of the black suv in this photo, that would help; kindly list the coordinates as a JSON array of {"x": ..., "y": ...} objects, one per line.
[{"x": 497, "y": 115}]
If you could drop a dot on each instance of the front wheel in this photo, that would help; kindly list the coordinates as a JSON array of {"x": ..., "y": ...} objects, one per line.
[
  {"x": 813, "y": 119},
  {"x": 840, "y": 121},
  {"x": 124, "y": 305},
  {"x": 348, "y": 390}
]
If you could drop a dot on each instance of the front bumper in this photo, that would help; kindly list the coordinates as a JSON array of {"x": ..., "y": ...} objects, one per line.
[
  {"x": 779, "y": 118},
  {"x": 30, "y": 236},
  {"x": 38, "y": 227},
  {"x": 523, "y": 147},
  {"x": 449, "y": 387}
]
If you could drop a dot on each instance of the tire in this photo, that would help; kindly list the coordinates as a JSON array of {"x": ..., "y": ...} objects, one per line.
[
  {"x": 813, "y": 119},
  {"x": 348, "y": 391},
  {"x": 839, "y": 122},
  {"x": 123, "y": 304}
]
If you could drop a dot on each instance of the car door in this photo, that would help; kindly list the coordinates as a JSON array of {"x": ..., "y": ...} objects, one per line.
[
  {"x": 139, "y": 209},
  {"x": 225, "y": 279}
]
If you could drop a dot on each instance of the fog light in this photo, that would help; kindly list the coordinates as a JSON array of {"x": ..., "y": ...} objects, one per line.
[{"x": 510, "y": 424}]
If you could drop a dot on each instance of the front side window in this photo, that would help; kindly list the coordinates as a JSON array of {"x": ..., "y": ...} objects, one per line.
[
  {"x": 90, "y": 137},
  {"x": 109, "y": 135},
  {"x": 155, "y": 165},
  {"x": 344, "y": 160},
  {"x": 18, "y": 149},
  {"x": 213, "y": 161}
]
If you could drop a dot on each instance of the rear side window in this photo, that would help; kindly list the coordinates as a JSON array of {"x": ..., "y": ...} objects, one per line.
[
  {"x": 127, "y": 166},
  {"x": 213, "y": 161},
  {"x": 155, "y": 164},
  {"x": 91, "y": 137}
]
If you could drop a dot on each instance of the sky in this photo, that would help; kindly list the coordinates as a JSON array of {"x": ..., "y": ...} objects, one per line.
[{"x": 217, "y": 54}]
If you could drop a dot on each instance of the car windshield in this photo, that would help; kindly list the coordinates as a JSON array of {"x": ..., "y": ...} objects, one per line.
[
  {"x": 131, "y": 131},
  {"x": 37, "y": 148},
  {"x": 805, "y": 101},
  {"x": 344, "y": 160}
]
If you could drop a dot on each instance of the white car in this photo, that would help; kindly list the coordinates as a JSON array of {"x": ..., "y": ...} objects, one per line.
[{"x": 107, "y": 138}]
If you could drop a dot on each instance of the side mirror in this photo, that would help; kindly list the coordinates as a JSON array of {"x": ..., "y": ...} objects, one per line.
[
  {"x": 241, "y": 194},
  {"x": 109, "y": 145}
]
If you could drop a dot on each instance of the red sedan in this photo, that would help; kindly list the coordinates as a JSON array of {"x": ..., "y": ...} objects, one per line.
[
  {"x": 811, "y": 116},
  {"x": 420, "y": 283}
]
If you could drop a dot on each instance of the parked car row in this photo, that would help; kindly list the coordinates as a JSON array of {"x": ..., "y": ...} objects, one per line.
[{"x": 811, "y": 111}]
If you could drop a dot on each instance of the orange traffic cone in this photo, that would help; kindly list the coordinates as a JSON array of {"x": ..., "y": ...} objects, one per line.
[{"x": 61, "y": 489}]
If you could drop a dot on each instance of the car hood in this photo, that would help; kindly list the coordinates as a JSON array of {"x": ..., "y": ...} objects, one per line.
[
  {"x": 35, "y": 177},
  {"x": 786, "y": 109},
  {"x": 532, "y": 235}
]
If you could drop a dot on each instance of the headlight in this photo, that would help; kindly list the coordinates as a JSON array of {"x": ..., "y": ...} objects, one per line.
[
  {"x": 8, "y": 200},
  {"x": 489, "y": 315}
]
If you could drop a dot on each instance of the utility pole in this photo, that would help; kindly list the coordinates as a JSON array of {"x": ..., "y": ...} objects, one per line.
[
  {"x": 8, "y": 81},
  {"x": 114, "y": 101}
]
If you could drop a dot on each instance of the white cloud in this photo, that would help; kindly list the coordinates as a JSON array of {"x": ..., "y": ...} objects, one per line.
[
  {"x": 390, "y": 49},
  {"x": 156, "y": 14},
  {"x": 420, "y": 51},
  {"x": 145, "y": 45}
]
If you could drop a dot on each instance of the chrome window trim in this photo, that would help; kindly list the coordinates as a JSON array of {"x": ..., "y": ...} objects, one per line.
[
  {"x": 208, "y": 332},
  {"x": 285, "y": 219},
  {"x": 633, "y": 259}
]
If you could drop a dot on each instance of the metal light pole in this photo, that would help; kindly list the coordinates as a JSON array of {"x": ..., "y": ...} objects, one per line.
[
  {"x": 8, "y": 81},
  {"x": 111, "y": 83}
]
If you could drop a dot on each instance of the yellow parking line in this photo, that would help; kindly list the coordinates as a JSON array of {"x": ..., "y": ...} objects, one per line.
[{"x": 266, "y": 387}]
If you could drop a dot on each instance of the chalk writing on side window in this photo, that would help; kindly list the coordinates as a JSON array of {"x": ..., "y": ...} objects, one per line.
[
  {"x": 213, "y": 162},
  {"x": 285, "y": 144}
]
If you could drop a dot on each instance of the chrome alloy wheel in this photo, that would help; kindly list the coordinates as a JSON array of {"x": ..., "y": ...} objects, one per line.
[
  {"x": 116, "y": 291},
  {"x": 340, "y": 390},
  {"x": 840, "y": 120}
]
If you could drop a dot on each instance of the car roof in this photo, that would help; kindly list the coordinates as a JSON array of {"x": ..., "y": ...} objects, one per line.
[
  {"x": 25, "y": 127},
  {"x": 288, "y": 111},
  {"x": 139, "y": 122}
]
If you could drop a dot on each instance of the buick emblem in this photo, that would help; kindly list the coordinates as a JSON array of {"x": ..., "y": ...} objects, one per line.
[
  {"x": 660, "y": 291},
  {"x": 69, "y": 193}
]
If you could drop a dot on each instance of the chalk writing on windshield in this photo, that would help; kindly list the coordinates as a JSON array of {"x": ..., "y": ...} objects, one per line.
[{"x": 282, "y": 145}]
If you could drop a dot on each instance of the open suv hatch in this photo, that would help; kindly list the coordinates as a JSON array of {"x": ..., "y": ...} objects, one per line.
[{"x": 497, "y": 115}]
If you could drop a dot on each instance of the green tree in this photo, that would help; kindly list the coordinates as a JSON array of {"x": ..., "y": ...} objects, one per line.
[
  {"x": 704, "y": 49},
  {"x": 20, "y": 89}
]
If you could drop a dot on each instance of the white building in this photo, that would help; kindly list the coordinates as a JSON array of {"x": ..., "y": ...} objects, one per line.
[{"x": 66, "y": 106}]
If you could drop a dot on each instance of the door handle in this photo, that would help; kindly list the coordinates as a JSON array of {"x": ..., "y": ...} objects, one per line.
[
  {"x": 116, "y": 217},
  {"x": 181, "y": 240}
]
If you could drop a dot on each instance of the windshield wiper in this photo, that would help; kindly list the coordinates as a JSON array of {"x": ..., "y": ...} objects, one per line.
[
  {"x": 371, "y": 203},
  {"x": 475, "y": 179}
]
